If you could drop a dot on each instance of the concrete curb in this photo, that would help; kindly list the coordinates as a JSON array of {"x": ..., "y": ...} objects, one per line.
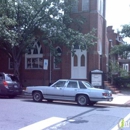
[
  {"x": 98, "y": 103},
  {"x": 114, "y": 104}
]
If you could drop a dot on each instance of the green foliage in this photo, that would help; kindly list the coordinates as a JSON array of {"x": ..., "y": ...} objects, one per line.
[
  {"x": 122, "y": 81},
  {"x": 122, "y": 50},
  {"x": 22, "y": 21},
  {"x": 116, "y": 70},
  {"x": 126, "y": 30}
]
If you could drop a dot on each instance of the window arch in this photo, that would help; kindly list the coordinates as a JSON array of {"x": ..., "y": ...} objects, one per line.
[
  {"x": 74, "y": 7},
  {"x": 82, "y": 60},
  {"x": 85, "y": 5},
  {"x": 75, "y": 60},
  {"x": 57, "y": 58},
  {"x": 35, "y": 51},
  {"x": 34, "y": 57},
  {"x": 59, "y": 51}
]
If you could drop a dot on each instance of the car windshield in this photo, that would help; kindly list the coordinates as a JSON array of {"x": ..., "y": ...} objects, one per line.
[
  {"x": 87, "y": 84},
  {"x": 11, "y": 78}
]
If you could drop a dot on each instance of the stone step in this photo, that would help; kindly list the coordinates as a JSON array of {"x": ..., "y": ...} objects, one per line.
[
  {"x": 111, "y": 87},
  {"x": 116, "y": 92}
]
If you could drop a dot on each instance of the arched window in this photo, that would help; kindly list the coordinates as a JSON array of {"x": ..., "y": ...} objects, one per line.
[
  {"x": 75, "y": 60},
  {"x": 57, "y": 58},
  {"x": 35, "y": 51},
  {"x": 85, "y": 5},
  {"x": 74, "y": 7},
  {"x": 82, "y": 60},
  {"x": 34, "y": 57}
]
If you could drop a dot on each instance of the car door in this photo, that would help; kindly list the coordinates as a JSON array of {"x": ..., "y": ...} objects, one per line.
[
  {"x": 94, "y": 93},
  {"x": 71, "y": 90},
  {"x": 55, "y": 91}
]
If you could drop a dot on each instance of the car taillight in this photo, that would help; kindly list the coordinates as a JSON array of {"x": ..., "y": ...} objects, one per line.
[
  {"x": 105, "y": 94},
  {"x": 5, "y": 84}
]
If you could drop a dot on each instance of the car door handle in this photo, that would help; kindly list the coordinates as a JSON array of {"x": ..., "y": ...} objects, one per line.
[{"x": 58, "y": 88}]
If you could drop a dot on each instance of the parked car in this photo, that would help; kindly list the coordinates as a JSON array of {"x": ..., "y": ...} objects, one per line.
[
  {"x": 70, "y": 90},
  {"x": 9, "y": 85}
]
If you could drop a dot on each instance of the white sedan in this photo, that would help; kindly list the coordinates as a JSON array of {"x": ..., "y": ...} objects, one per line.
[{"x": 70, "y": 90}]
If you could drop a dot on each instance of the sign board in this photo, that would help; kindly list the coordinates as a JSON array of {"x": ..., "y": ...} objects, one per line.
[
  {"x": 45, "y": 64},
  {"x": 96, "y": 79}
]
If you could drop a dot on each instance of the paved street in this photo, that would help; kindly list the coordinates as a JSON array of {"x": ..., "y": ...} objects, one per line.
[{"x": 24, "y": 114}]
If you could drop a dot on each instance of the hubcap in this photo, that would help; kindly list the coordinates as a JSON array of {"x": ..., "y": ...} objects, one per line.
[
  {"x": 82, "y": 100},
  {"x": 37, "y": 96}
]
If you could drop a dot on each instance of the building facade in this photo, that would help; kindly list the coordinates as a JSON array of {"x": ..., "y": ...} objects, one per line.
[{"x": 38, "y": 66}]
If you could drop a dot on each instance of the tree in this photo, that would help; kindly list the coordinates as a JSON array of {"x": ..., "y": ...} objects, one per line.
[
  {"x": 126, "y": 30},
  {"x": 21, "y": 19},
  {"x": 116, "y": 69},
  {"x": 123, "y": 50}
]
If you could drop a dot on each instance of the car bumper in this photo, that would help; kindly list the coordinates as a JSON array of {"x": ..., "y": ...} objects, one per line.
[
  {"x": 102, "y": 99},
  {"x": 26, "y": 93},
  {"x": 11, "y": 92},
  {"x": 108, "y": 99}
]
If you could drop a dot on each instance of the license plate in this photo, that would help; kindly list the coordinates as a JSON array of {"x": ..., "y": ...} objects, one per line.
[{"x": 15, "y": 86}]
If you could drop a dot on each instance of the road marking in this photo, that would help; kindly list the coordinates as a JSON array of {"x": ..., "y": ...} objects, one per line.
[
  {"x": 43, "y": 124},
  {"x": 125, "y": 119}
]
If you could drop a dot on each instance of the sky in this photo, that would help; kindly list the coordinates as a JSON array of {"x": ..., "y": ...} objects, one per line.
[{"x": 118, "y": 13}]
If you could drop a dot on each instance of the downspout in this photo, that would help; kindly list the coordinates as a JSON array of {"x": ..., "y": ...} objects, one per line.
[{"x": 50, "y": 69}]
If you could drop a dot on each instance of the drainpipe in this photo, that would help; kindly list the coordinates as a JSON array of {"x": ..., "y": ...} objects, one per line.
[{"x": 50, "y": 69}]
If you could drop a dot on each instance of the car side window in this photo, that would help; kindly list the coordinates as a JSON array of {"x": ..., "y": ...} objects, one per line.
[
  {"x": 87, "y": 84},
  {"x": 7, "y": 78},
  {"x": 82, "y": 86},
  {"x": 72, "y": 84},
  {"x": 13, "y": 78},
  {"x": 59, "y": 84}
]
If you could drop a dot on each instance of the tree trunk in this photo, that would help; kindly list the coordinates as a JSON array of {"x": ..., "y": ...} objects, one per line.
[{"x": 16, "y": 67}]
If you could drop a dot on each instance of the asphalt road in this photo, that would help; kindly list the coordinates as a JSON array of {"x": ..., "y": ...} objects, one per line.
[{"x": 24, "y": 114}]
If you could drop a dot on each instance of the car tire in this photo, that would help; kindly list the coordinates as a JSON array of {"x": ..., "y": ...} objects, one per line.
[
  {"x": 82, "y": 100},
  {"x": 37, "y": 96}
]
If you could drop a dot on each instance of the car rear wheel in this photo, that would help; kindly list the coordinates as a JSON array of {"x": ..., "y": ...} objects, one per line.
[
  {"x": 37, "y": 96},
  {"x": 82, "y": 100}
]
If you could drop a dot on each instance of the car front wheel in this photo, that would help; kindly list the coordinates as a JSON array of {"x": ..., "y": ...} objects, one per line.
[
  {"x": 37, "y": 96},
  {"x": 82, "y": 100}
]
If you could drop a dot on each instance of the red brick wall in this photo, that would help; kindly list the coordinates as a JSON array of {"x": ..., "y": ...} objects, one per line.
[{"x": 4, "y": 63}]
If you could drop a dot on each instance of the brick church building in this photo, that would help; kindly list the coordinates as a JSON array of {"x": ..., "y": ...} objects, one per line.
[{"x": 38, "y": 66}]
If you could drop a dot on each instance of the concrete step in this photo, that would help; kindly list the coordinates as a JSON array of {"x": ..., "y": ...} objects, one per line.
[{"x": 111, "y": 87}]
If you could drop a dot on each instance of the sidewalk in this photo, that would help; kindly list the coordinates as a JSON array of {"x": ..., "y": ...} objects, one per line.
[{"x": 121, "y": 99}]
